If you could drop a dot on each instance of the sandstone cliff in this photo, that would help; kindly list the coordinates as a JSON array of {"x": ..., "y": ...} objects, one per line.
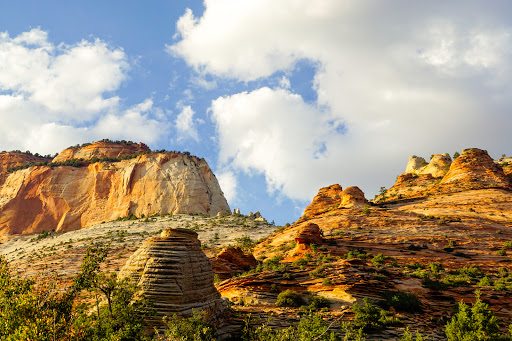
[{"x": 67, "y": 198}]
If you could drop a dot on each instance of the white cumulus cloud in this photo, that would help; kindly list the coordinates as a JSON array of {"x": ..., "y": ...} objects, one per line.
[
  {"x": 53, "y": 96},
  {"x": 391, "y": 79},
  {"x": 185, "y": 126}
]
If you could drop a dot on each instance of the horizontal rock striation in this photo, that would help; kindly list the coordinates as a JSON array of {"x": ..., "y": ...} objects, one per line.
[{"x": 174, "y": 274}]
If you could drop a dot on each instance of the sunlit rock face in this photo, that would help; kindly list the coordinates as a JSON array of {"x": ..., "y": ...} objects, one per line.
[
  {"x": 174, "y": 274},
  {"x": 67, "y": 198}
]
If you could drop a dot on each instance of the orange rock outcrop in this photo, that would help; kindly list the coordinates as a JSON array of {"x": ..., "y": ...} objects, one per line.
[
  {"x": 14, "y": 159},
  {"x": 475, "y": 166},
  {"x": 327, "y": 197},
  {"x": 352, "y": 196},
  {"x": 67, "y": 198},
  {"x": 232, "y": 261}
]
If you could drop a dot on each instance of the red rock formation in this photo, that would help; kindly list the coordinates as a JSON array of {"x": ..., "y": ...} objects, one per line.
[
  {"x": 232, "y": 261},
  {"x": 100, "y": 150},
  {"x": 327, "y": 198},
  {"x": 308, "y": 234},
  {"x": 475, "y": 167},
  {"x": 67, "y": 198},
  {"x": 12, "y": 159},
  {"x": 352, "y": 196}
]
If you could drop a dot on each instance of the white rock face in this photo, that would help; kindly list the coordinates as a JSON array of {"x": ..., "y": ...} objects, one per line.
[
  {"x": 437, "y": 167},
  {"x": 415, "y": 163}
]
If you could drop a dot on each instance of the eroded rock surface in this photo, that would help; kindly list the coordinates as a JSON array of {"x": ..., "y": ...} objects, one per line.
[
  {"x": 67, "y": 198},
  {"x": 174, "y": 274},
  {"x": 352, "y": 196},
  {"x": 232, "y": 261}
]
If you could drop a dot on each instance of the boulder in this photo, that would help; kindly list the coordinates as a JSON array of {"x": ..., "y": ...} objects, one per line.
[
  {"x": 307, "y": 235},
  {"x": 232, "y": 261}
]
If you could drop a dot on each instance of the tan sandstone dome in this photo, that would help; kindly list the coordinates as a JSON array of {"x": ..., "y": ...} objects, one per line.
[
  {"x": 352, "y": 197},
  {"x": 174, "y": 274}
]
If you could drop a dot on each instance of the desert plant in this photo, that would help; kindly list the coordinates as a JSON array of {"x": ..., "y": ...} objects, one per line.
[
  {"x": 473, "y": 323},
  {"x": 403, "y": 301},
  {"x": 289, "y": 298}
]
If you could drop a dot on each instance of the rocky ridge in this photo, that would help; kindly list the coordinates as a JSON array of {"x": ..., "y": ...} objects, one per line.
[
  {"x": 442, "y": 240},
  {"x": 101, "y": 149}
]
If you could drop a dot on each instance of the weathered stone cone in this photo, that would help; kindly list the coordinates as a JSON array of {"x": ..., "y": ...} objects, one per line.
[{"x": 175, "y": 275}]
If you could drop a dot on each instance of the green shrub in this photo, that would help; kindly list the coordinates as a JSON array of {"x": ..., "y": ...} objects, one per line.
[
  {"x": 403, "y": 301},
  {"x": 194, "y": 328},
  {"x": 378, "y": 260},
  {"x": 245, "y": 243},
  {"x": 475, "y": 323},
  {"x": 369, "y": 317},
  {"x": 289, "y": 298}
]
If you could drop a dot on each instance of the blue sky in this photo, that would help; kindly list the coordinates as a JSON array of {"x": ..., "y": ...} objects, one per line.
[{"x": 281, "y": 98}]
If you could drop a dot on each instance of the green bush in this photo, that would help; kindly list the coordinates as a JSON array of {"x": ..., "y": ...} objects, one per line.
[
  {"x": 378, "y": 260},
  {"x": 473, "y": 323},
  {"x": 403, "y": 301},
  {"x": 193, "y": 328},
  {"x": 369, "y": 317},
  {"x": 311, "y": 327},
  {"x": 289, "y": 298}
]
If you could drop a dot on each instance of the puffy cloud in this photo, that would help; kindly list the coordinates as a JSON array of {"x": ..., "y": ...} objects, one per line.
[
  {"x": 228, "y": 183},
  {"x": 53, "y": 96},
  {"x": 185, "y": 124},
  {"x": 391, "y": 80}
]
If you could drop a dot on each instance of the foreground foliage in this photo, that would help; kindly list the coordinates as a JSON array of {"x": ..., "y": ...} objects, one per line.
[{"x": 36, "y": 310}]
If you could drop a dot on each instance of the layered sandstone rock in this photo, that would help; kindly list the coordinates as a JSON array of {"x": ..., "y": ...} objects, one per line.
[
  {"x": 327, "y": 198},
  {"x": 67, "y": 198},
  {"x": 307, "y": 235},
  {"x": 232, "y": 261},
  {"x": 174, "y": 274},
  {"x": 352, "y": 197},
  {"x": 101, "y": 150},
  {"x": 475, "y": 166},
  {"x": 14, "y": 159}
]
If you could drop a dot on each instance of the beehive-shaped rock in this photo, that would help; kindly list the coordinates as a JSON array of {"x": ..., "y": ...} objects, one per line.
[{"x": 174, "y": 274}]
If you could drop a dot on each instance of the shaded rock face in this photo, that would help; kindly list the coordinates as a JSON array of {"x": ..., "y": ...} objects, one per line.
[
  {"x": 327, "y": 197},
  {"x": 476, "y": 166},
  {"x": 307, "y": 235},
  {"x": 352, "y": 197},
  {"x": 68, "y": 198},
  {"x": 232, "y": 261},
  {"x": 101, "y": 150},
  {"x": 174, "y": 274}
]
